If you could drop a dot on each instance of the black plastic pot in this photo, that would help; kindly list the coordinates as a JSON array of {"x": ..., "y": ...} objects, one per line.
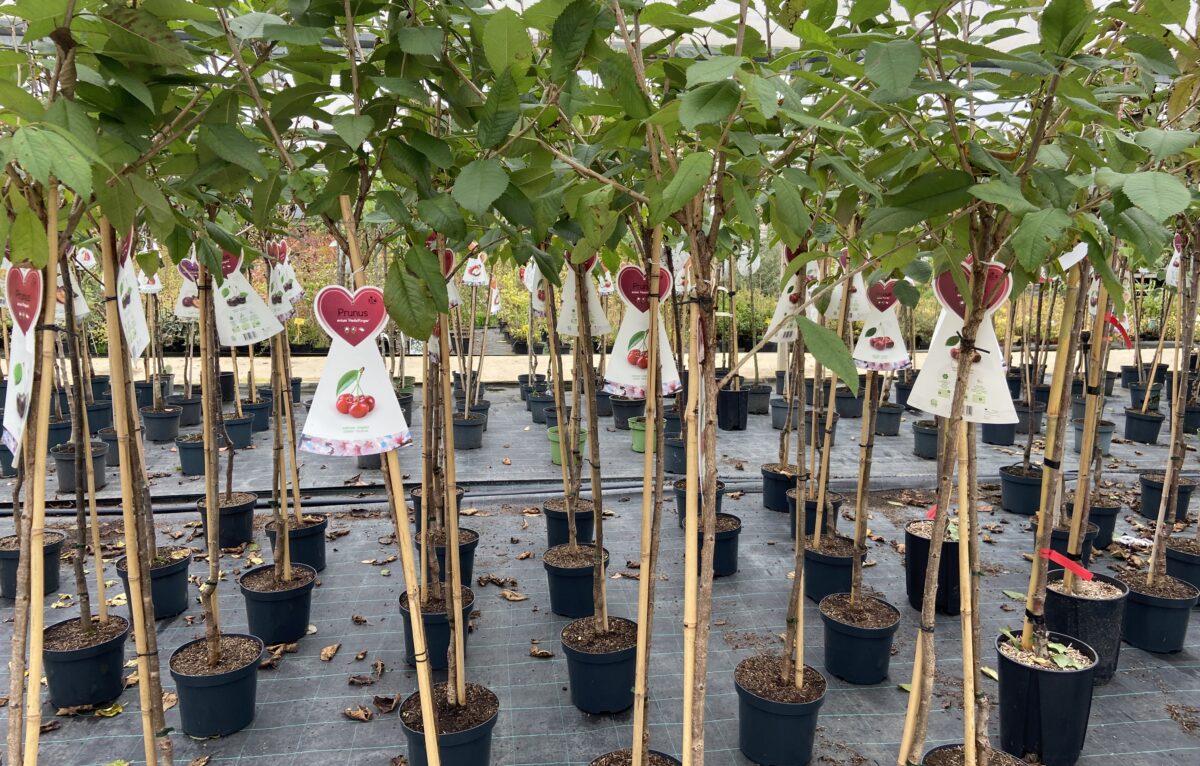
[
  {"x": 780, "y": 381},
  {"x": 260, "y": 411},
  {"x": 571, "y": 589},
  {"x": 93, "y": 675},
  {"x": 51, "y": 548},
  {"x": 538, "y": 404},
  {"x": 925, "y": 439},
  {"x": 1027, "y": 420},
  {"x": 1143, "y": 428},
  {"x": 779, "y": 408},
  {"x": 672, "y": 423},
  {"x": 733, "y": 409},
  {"x": 168, "y": 586},
  {"x": 64, "y": 465},
  {"x": 217, "y": 705},
  {"x": 1096, "y": 622},
  {"x": 161, "y": 425},
  {"x": 414, "y": 495},
  {"x": 558, "y": 530},
  {"x": 143, "y": 393},
  {"x": 192, "y": 409},
  {"x": 306, "y": 545},
  {"x": 625, "y": 408},
  {"x": 468, "y": 432},
  {"x": 228, "y": 385},
  {"x": 466, "y": 558},
  {"x": 848, "y": 404},
  {"x": 1020, "y": 494},
  {"x": 6, "y": 463},
  {"x": 99, "y": 414},
  {"x": 1014, "y": 386},
  {"x": 470, "y": 747},
  {"x": 552, "y": 416},
  {"x": 437, "y": 632},
  {"x": 760, "y": 399},
  {"x": 775, "y": 487},
  {"x": 236, "y": 525},
  {"x": 100, "y": 385},
  {"x": 725, "y": 551},
  {"x": 902, "y": 390},
  {"x": 369, "y": 462},
  {"x": 603, "y": 405},
  {"x": 241, "y": 431},
  {"x": 826, "y": 388},
  {"x": 916, "y": 564},
  {"x": 1105, "y": 519},
  {"x": 825, "y": 575},
  {"x": 1129, "y": 375},
  {"x": 1000, "y": 434},
  {"x": 810, "y": 512},
  {"x": 1041, "y": 394},
  {"x": 674, "y": 456},
  {"x": 109, "y": 437},
  {"x": 1043, "y": 711},
  {"x": 59, "y": 432},
  {"x": 1137, "y": 394},
  {"x": 1183, "y": 565},
  {"x": 1157, "y": 624},
  {"x": 481, "y": 408},
  {"x": 887, "y": 420},
  {"x": 191, "y": 454},
  {"x": 405, "y": 399},
  {"x": 1152, "y": 495},
  {"x": 601, "y": 682},
  {"x": 680, "y": 487},
  {"x": 776, "y": 733},
  {"x": 855, "y": 654},
  {"x": 278, "y": 617},
  {"x": 1103, "y": 438},
  {"x": 1191, "y": 418}
]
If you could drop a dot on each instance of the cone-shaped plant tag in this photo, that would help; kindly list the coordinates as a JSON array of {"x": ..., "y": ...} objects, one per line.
[
  {"x": 782, "y": 326},
  {"x": 881, "y": 346},
  {"x": 494, "y": 298},
  {"x": 78, "y": 302},
  {"x": 23, "y": 296},
  {"x": 988, "y": 399},
  {"x": 627, "y": 371},
  {"x": 531, "y": 277},
  {"x": 148, "y": 285},
  {"x": 86, "y": 258},
  {"x": 606, "y": 286},
  {"x": 1171, "y": 277},
  {"x": 129, "y": 299},
  {"x": 474, "y": 272},
  {"x": 447, "y": 260},
  {"x": 187, "y": 303},
  {"x": 283, "y": 288},
  {"x": 568, "y": 315},
  {"x": 858, "y": 294},
  {"x": 243, "y": 317},
  {"x": 354, "y": 410},
  {"x": 683, "y": 273}
]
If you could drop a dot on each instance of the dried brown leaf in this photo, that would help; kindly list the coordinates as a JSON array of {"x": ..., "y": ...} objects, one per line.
[
  {"x": 386, "y": 704},
  {"x": 358, "y": 619},
  {"x": 329, "y": 652},
  {"x": 358, "y": 713},
  {"x": 523, "y": 555},
  {"x": 512, "y": 595},
  {"x": 537, "y": 651}
]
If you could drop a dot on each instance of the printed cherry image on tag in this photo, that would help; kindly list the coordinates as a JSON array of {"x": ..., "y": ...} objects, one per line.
[
  {"x": 880, "y": 345},
  {"x": 568, "y": 313},
  {"x": 243, "y": 318},
  {"x": 474, "y": 272},
  {"x": 628, "y": 368},
  {"x": 129, "y": 300},
  {"x": 187, "y": 303},
  {"x": 23, "y": 294},
  {"x": 354, "y": 409}
]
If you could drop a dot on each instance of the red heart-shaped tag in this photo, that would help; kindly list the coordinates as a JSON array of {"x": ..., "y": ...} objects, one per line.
[
  {"x": 635, "y": 289},
  {"x": 353, "y": 317},
  {"x": 995, "y": 289},
  {"x": 882, "y": 295},
  {"x": 24, "y": 290},
  {"x": 229, "y": 262}
]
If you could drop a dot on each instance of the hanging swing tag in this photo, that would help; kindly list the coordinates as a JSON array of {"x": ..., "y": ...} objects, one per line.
[{"x": 1064, "y": 561}]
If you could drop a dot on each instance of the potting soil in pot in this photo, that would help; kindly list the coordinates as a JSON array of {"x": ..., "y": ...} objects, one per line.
[
  {"x": 601, "y": 664},
  {"x": 464, "y": 731},
  {"x": 85, "y": 667},
  {"x": 777, "y": 722},
  {"x": 952, "y": 755},
  {"x": 625, "y": 758},
  {"x": 209, "y": 707}
]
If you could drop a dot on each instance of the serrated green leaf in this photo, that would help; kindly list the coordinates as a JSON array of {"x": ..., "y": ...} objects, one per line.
[
  {"x": 117, "y": 201},
  {"x": 506, "y": 43},
  {"x": 500, "y": 111},
  {"x": 1159, "y": 194},
  {"x": 137, "y": 35},
  {"x": 789, "y": 208},
  {"x": 569, "y": 36},
  {"x": 479, "y": 184},
  {"x": 231, "y": 145},
  {"x": 1165, "y": 143},
  {"x": 1006, "y": 195},
  {"x": 252, "y": 26},
  {"x": 27, "y": 240},
  {"x": 893, "y": 65},
  {"x": 906, "y": 293},
  {"x": 937, "y": 192},
  {"x": 714, "y": 69},
  {"x": 688, "y": 180},
  {"x": 1033, "y": 237},
  {"x": 708, "y": 104},
  {"x": 420, "y": 41},
  {"x": 829, "y": 350},
  {"x": 408, "y": 302},
  {"x": 293, "y": 35},
  {"x": 422, "y": 262},
  {"x": 443, "y": 216},
  {"x": 353, "y": 128},
  {"x": 1064, "y": 25},
  {"x": 882, "y": 220}
]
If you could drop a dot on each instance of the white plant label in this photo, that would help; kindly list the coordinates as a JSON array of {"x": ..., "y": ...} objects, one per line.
[
  {"x": 628, "y": 367},
  {"x": 988, "y": 399},
  {"x": 78, "y": 302},
  {"x": 531, "y": 277},
  {"x": 148, "y": 285},
  {"x": 129, "y": 301},
  {"x": 23, "y": 297},
  {"x": 354, "y": 409},
  {"x": 880, "y": 345},
  {"x": 474, "y": 272},
  {"x": 782, "y": 326},
  {"x": 243, "y": 318},
  {"x": 1171, "y": 277},
  {"x": 606, "y": 286},
  {"x": 86, "y": 258},
  {"x": 187, "y": 303},
  {"x": 568, "y": 315},
  {"x": 494, "y": 298}
]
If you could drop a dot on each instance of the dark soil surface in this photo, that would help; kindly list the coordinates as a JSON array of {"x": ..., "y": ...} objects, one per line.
[
  {"x": 69, "y": 448},
  {"x": 305, "y": 521},
  {"x": 437, "y": 605},
  {"x": 70, "y": 635},
  {"x": 1032, "y": 472},
  {"x": 922, "y": 528},
  {"x": 954, "y": 756},
  {"x": 787, "y": 470},
  {"x": 263, "y": 580},
  {"x": 761, "y": 674},
  {"x": 625, "y": 758},
  {"x": 166, "y": 557},
  {"x": 481, "y": 705},
  {"x": 582, "y": 505},
  {"x": 416, "y": 492},
  {"x": 682, "y": 484},
  {"x": 585, "y": 635},
  {"x": 562, "y": 557},
  {"x": 190, "y": 438},
  {"x": 237, "y": 498},
  {"x": 13, "y": 543},
  {"x": 870, "y": 612},
  {"x": 833, "y": 545},
  {"x": 1162, "y": 478},
  {"x": 465, "y": 536},
  {"x": 1164, "y": 587},
  {"x": 727, "y": 522},
  {"x": 1184, "y": 545},
  {"x": 236, "y": 652}
]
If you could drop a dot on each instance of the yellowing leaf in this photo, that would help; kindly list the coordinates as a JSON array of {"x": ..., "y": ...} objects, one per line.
[{"x": 112, "y": 710}]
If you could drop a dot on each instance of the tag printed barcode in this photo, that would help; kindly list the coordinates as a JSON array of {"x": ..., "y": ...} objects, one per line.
[{"x": 968, "y": 410}]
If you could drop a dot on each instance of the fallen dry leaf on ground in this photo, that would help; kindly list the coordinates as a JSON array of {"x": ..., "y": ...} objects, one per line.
[
  {"x": 361, "y": 656},
  {"x": 512, "y": 595},
  {"x": 491, "y": 579},
  {"x": 170, "y": 700},
  {"x": 358, "y": 619},
  {"x": 537, "y": 651},
  {"x": 201, "y": 760},
  {"x": 358, "y": 713},
  {"x": 329, "y": 652},
  {"x": 523, "y": 555},
  {"x": 49, "y": 726},
  {"x": 386, "y": 704}
]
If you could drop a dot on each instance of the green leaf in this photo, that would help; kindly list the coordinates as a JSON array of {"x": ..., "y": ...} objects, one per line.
[
  {"x": 865, "y": 10},
  {"x": 990, "y": 673},
  {"x": 688, "y": 180},
  {"x": 893, "y": 65},
  {"x": 1007, "y": 195},
  {"x": 1063, "y": 26},
  {"x": 829, "y": 350},
  {"x": 712, "y": 70},
  {"x": 937, "y": 192},
  {"x": 619, "y": 79},
  {"x": 420, "y": 41},
  {"x": 353, "y": 128},
  {"x": 223, "y": 238},
  {"x": 408, "y": 302},
  {"x": 228, "y": 143},
  {"x": 443, "y": 216},
  {"x": 422, "y": 262},
  {"x": 789, "y": 206},
  {"x": 708, "y": 103},
  {"x": 252, "y": 26},
  {"x": 32, "y": 151},
  {"x": 118, "y": 202},
  {"x": 136, "y": 35},
  {"x": 351, "y": 376},
  {"x": 506, "y": 43},
  {"x": 765, "y": 95},
  {"x": 572, "y": 30},
  {"x": 288, "y": 34},
  {"x": 500, "y": 111},
  {"x": 1159, "y": 194},
  {"x": 1031, "y": 241},
  {"x": 435, "y": 149},
  {"x": 152, "y": 199},
  {"x": 479, "y": 184},
  {"x": 1014, "y": 595},
  {"x": 265, "y": 197},
  {"x": 1165, "y": 143},
  {"x": 906, "y": 293},
  {"x": 812, "y": 34},
  {"x": 27, "y": 240},
  {"x": 882, "y": 220}
]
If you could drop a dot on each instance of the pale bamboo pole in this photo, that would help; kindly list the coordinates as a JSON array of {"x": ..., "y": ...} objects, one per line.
[
  {"x": 210, "y": 411},
  {"x": 37, "y": 491},
  {"x": 583, "y": 357},
  {"x": 478, "y": 377},
  {"x": 94, "y": 517},
  {"x": 565, "y": 449},
  {"x": 468, "y": 368},
  {"x": 866, "y": 444},
  {"x": 1158, "y": 350},
  {"x": 823, "y": 476},
  {"x": 133, "y": 559},
  {"x": 691, "y": 550},
  {"x": 453, "y": 570},
  {"x": 251, "y": 392},
  {"x": 967, "y": 608},
  {"x": 733, "y": 334},
  {"x": 290, "y": 430},
  {"x": 237, "y": 396},
  {"x": 283, "y": 543},
  {"x": 426, "y": 470}
]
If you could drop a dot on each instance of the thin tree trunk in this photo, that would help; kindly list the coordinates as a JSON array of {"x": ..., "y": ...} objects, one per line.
[{"x": 584, "y": 342}]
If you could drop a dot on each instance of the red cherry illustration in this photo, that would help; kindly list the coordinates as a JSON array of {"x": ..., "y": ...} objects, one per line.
[
  {"x": 359, "y": 410},
  {"x": 344, "y": 403},
  {"x": 794, "y": 298},
  {"x": 643, "y": 362},
  {"x": 890, "y": 343},
  {"x": 370, "y": 402},
  {"x": 633, "y": 356}
]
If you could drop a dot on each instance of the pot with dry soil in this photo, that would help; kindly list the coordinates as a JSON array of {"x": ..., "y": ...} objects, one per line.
[
  {"x": 85, "y": 667},
  {"x": 828, "y": 570},
  {"x": 64, "y": 465},
  {"x": 464, "y": 731},
  {"x": 168, "y": 581},
  {"x": 558, "y": 530},
  {"x": 953, "y": 755},
  {"x": 810, "y": 511},
  {"x": 278, "y": 611},
  {"x": 777, "y": 723},
  {"x": 777, "y": 480},
  {"x": 435, "y": 618},
  {"x": 917, "y": 536},
  {"x": 1156, "y": 616},
  {"x": 236, "y": 522},
  {"x": 306, "y": 541},
  {"x": 680, "y": 486},
  {"x": 10, "y": 552},
  {"x": 569, "y": 574},
  {"x": 1143, "y": 427},
  {"x": 600, "y": 665},
  {"x": 1183, "y": 560},
  {"x": 216, "y": 701},
  {"x": 240, "y": 430},
  {"x": 1152, "y": 486},
  {"x": 1093, "y": 614},
  {"x": 161, "y": 425},
  {"x": 468, "y": 541},
  {"x": 1021, "y": 489},
  {"x": 858, "y": 637}
]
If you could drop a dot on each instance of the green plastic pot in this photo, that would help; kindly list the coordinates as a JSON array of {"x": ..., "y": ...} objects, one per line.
[
  {"x": 556, "y": 448},
  {"x": 637, "y": 426}
]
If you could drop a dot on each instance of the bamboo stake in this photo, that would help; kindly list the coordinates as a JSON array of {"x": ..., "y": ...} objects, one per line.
[
  {"x": 823, "y": 477},
  {"x": 967, "y": 608},
  {"x": 37, "y": 491},
  {"x": 469, "y": 367},
  {"x": 691, "y": 549},
  {"x": 237, "y": 396},
  {"x": 22, "y": 521},
  {"x": 453, "y": 570},
  {"x": 426, "y": 473},
  {"x": 733, "y": 335},
  {"x": 283, "y": 543},
  {"x": 1154, "y": 360},
  {"x": 866, "y": 444},
  {"x": 290, "y": 428},
  {"x": 210, "y": 409},
  {"x": 121, "y": 414},
  {"x": 252, "y": 389},
  {"x": 565, "y": 449}
]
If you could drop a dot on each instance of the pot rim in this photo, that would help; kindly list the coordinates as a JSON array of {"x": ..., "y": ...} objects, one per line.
[
  {"x": 467, "y": 604},
  {"x": 1058, "y": 574},
  {"x": 1057, "y": 638},
  {"x": 219, "y": 679},
  {"x": 86, "y": 652},
  {"x": 597, "y": 658},
  {"x": 766, "y": 705},
  {"x": 572, "y": 571},
  {"x": 276, "y": 595},
  {"x": 456, "y": 737},
  {"x": 1163, "y": 601},
  {"x": 863, "y": 632}
]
